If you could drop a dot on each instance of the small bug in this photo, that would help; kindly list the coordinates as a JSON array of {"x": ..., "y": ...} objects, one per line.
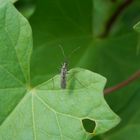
[{"x": 64, "y": 69}]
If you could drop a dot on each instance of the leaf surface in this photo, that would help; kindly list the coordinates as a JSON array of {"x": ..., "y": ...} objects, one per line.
[
  {"x": 15, "y": 51},
  {"x": 48, "y": 112}
]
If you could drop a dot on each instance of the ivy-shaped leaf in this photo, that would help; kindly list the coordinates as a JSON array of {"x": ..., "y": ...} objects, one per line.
[{"x": 45, "y": 111}]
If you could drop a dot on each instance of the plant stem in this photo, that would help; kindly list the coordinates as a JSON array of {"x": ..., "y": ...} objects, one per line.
[
  {"x": 132, "y": 78},
  {"x": 113, "y": 18}
]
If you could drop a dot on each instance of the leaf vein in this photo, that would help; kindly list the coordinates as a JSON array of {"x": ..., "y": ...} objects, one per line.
[
  {"x": 33, "y": 120},
  {"x": 68, "y": 115},
  {"x": 2, "y": 67},
  {"x": 60, "y": 130},
  {"x": 6, "y": 31}
]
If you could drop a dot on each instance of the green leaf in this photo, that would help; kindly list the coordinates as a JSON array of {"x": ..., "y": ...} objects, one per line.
[
  {"x": 45, "y": 111},
  {"x": 15, "y": 51},
  {"x": 70, "y": 23},
  {"x": 54, "y": 113}
]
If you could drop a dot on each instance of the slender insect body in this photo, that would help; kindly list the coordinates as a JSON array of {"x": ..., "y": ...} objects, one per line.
[{"x": 64, "y": 71}]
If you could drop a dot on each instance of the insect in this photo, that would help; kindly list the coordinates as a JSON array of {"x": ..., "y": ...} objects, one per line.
[{"x": 64, "y": 69}]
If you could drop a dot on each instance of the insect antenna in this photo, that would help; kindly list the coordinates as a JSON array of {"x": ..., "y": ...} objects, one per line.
[
  {"x": 65, "y": 58},
  {"x": 74, "y": 50},
  {"x": 64, "y": 70},
  {"x": 69, "y": 56}
]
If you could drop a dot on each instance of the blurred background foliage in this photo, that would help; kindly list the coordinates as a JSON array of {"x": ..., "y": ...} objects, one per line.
[{"x": 103, "y": 29}]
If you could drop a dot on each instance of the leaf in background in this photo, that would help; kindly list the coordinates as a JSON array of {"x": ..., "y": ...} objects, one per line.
[
  {"x": 66, "y": 23},
  {"x": 129, "y": 112},
  {"x": 71, "y": 25},
  {"x": 45, "y": 111}
]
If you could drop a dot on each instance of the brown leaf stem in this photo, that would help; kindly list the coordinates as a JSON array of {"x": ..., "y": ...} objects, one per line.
[
  {"x": 115, "y": 15},
  {"x": 131, "y": 79}
]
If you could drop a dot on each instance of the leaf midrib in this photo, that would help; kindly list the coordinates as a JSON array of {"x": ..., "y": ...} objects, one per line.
[{"x": 6, "y": 31}]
